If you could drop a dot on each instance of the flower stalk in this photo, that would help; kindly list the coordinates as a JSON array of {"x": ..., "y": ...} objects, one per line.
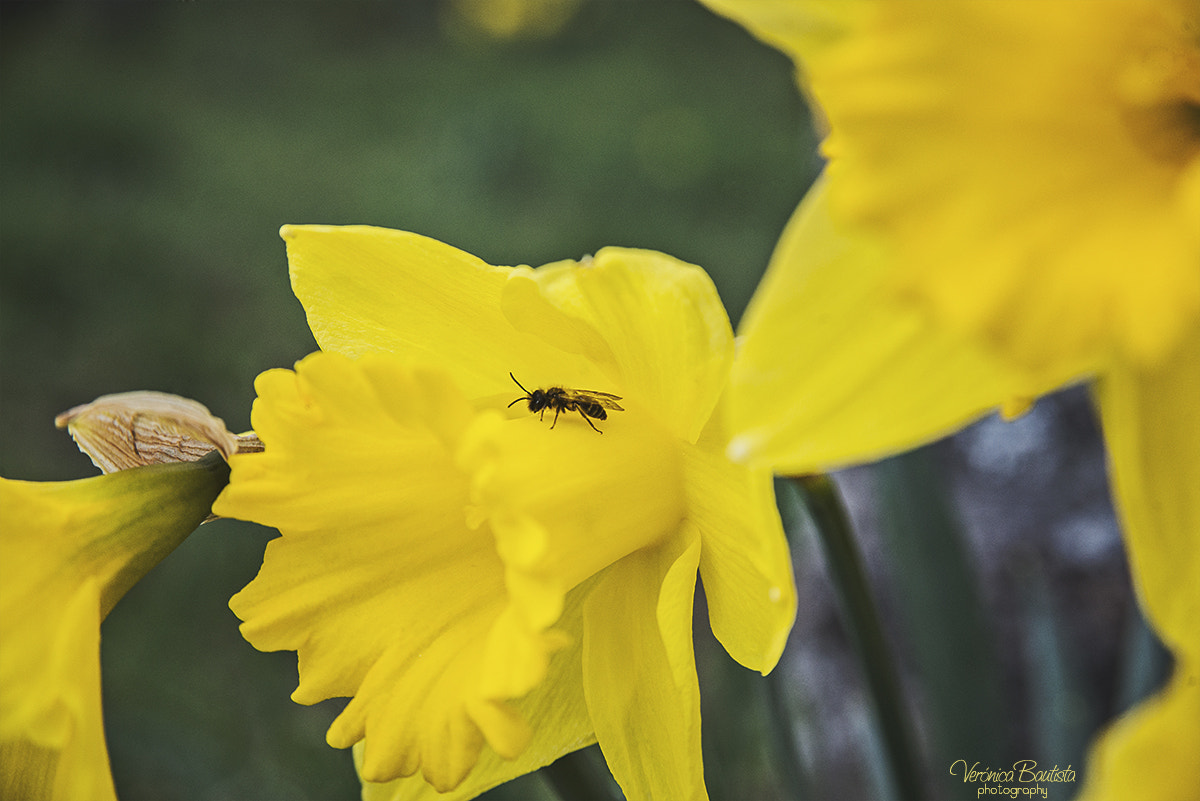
[{"x": 865, "y": 630}]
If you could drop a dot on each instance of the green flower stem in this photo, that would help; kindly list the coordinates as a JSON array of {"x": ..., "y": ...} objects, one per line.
[{"x": 866, "y": 632}]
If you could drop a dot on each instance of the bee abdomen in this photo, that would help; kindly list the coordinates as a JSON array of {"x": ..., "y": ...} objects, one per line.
[{"x": 594, "y": 410}]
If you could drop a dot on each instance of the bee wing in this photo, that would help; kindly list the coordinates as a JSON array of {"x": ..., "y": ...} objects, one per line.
[{"x": 604, "y": 399}]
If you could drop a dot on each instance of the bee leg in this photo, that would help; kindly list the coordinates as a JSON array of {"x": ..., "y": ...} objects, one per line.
[
  {"x": 589, "y": 422},
  {"x": 556, "y": 411}
]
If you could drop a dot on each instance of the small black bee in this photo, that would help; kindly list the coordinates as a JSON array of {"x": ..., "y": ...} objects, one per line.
[{"x": 589, "y": 403}]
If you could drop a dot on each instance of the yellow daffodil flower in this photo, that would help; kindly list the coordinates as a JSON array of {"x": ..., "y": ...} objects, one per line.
[
  {"x": 68, "y": 552},
  {"x": 1012, "y": 204},
  {"x": 510, "y": 19},
  {"x": 494, "y": 587},
  {"x": 997, "y": 147}
]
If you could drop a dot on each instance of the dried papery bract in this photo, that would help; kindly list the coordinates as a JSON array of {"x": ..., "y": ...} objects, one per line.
[{"x": 135, "y": 429}]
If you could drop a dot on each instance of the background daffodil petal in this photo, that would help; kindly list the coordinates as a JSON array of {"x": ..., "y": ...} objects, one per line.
[
  {"x": 1152, "y": 752},
  {"x": 639, "y": 671},
  {"x": 369, "y": 289},
  {"x": 745, "y": 564},
  {"x": 80, "y": 545},
  {"x": 53, "y": 745},
  {"x": 1018, "y": 157},
  {"x": 50, "y": 661},
  {"x": 558, "y": 718},
  {"x": 1152, "y": 428},
  {"x": 74, "y": 541},
  {"x": 832, "y": 370},
  {"x": 27, "y": 770},
  {"x": 793, "y": 26},
  {"x": 1151, "y": 423},
  {"x": 377, "y": 581},
  {"x": 661, "y": 320}
]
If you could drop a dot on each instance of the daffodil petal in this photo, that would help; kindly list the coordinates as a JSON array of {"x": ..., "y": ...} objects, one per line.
[
  {"x": 45, "y": 710},
  {"x": 26, "y": 770},
  {"x": 654, "y": 324},
  {"x": 1152, "y": 427},
  {"x": 53, "y": 745},
  {"x": 832, "y": 370},
  {"x": 795, "y": 27},
  {"x": 417, "y": 708},
  {"x": 640, "y": 674},
  {"x": 547, "y": 302},
  {"x": 558, "y": 717},
  {"x": 745, "y": 564},
  {"x": 377, "y": 581},
  {"x": 1018, "y": 157},
  {"x": 79, "y": 545},
  {"x": 1047, "y": 147},
  {"x": 1151, "y": 753},
  {"x": 369, "y": 290}
]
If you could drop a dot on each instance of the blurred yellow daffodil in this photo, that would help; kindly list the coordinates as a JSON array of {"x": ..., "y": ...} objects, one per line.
[
  {"x": 68, "y": 552},
  {"x": 1011, "y": 204},
  {"x": 509, "y": 19},
  {"x": 494, "y": 589}
]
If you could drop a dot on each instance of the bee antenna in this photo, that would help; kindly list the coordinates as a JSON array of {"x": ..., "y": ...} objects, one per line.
[{"x": 518, "y": 383}]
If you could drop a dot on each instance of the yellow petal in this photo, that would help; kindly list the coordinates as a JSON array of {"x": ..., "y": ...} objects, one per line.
[
  {"x": 744, "y": 564},
  {"x": 832, "y": 370},
  {"x": 418, "y": 708},
  {"x": 518, "y": 20},
  {"x": 1018, "y": 157},
  {"x": 27, "y": 770},
  {"x": 558, "y": 718},
  {"x": 796, "y": 27},
  {"x": 653, "y": 324},
  {"x": 369, "y": 290},
  {"x": 70, "y": 550},
  {"x": 1152, "y": 427},
  {"x": 1152, "y": 753},
  {"x": 53, "y": 745},
  {"x": 113, "y": 528},
  {"x": 640, "y": 672}
]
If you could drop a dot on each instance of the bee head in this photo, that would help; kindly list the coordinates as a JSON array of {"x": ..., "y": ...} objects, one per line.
[{"x": 538, "y": 400}]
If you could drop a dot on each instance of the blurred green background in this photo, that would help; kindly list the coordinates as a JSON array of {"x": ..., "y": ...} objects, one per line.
[{"x": 149, "y": 154}]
